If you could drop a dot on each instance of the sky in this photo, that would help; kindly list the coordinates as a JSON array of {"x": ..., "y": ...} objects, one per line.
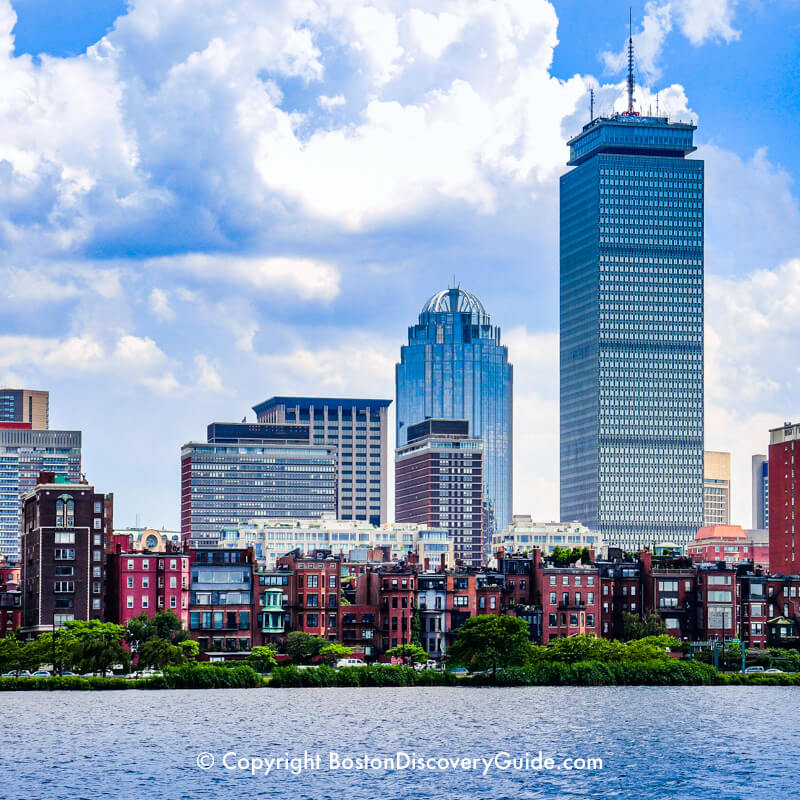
[{"x": 204, "y": 203}]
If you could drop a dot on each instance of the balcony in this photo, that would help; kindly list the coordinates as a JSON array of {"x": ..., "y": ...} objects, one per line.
[{"x": 562, "y": 606}]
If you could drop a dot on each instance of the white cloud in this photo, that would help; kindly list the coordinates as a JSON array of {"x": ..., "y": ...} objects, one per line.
[
  {"x": 209, "y": 379},
  {"x": 159, "y": 305},
  {"x": 329, "y": 103},
  {"x": 307, "y": 278},
  {"x": 698, "y": 20}
]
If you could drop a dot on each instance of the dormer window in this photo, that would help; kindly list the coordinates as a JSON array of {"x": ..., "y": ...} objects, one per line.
[{"x": 65, "y": 512}]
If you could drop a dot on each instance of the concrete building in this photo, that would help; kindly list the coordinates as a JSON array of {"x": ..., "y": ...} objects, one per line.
[
  {"x": 526, "y": 534},
  {"x": 760, "y": 492},
  {"x": 439, "y": 484},
  {"x": 716, "y": 488},
  {"x": 31, "y": 406},
  {"x": 784, "y": 499},
  {"x": 24, "y": 453},
  {"x": 254, "y": 470},
  {"x": 273, "y": 538},
  {"x": 358, "y": 430},
  {"x": 66, "y": 530}
]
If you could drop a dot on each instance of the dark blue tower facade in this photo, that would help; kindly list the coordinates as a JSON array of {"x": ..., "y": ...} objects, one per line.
[
  {"x": 631, "y": 351},
  {"x": 454, "y": 367}
]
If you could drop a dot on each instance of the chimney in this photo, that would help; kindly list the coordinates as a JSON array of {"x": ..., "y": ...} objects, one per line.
[
  {"x": 427, "y": 565},
  {"x": 646, "y": 558}
]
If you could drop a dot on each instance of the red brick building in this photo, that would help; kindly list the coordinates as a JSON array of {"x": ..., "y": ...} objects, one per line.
[
  {"x": 784, "y": 500},
  {"x": 314, "y": 597}
]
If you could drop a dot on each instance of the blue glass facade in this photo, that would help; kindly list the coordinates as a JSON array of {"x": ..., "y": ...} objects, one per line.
[
  {"x": 454, "y": 367},
  {"x": 632, "y": 331}
]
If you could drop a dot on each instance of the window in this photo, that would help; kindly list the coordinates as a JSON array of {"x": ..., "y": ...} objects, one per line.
[
  {"x": 492, "y": 602},
  {"x": 97, "y": 572},
  {"x": 590, "y": 620},
  {"x": 64, "y": 586},
  {"x": 565, "y": 580},
  {"x": 173, "y": 582},
  {"x": 312, "y": 581},
  {"x": 98, "y": 524},
  {"x": 130, "y": 564},
  {"x": 96, "y": 555},
  {"x": 460, "y": 601},
  {"x": 552, "y": 580},
  {"x": 590, "y": 580},
  {"x": 129, "y": 601},
  {"x": 331, "y": 581},
  {"x": 590, "y": 598},
  {"x": 577, "y": 580},
  {"x": 145, "y": 563},
  {"x": 145, "y": 581},
  {"x": 552, "y": 620},
  {"x": 719, "y": 597},
  {"x": 64, "y": 537},
  {"x": 145, "y": 602},
  {"x": 553, "y": 600},
  {"x": 95, "y": 603},
  {"x": 96, "y": 587}
]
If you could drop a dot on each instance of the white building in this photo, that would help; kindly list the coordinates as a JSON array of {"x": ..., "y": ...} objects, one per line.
[
  {"x": 525, "y": 534},
  {"x": 272, "y": 538}
]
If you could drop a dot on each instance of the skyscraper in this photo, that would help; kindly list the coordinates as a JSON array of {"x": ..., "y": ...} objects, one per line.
[
  {"x": 358, "y": 429},
  {"x": 454, "y": 367},
  {"x": 760, "y": 472},
  {"x": 248, "y": 471},
  {"x": 632, "y": 330},
  {"x": 26, "y": 405},
  {"x": 716, "y": 488},
  {"x": 439, "y": 482},
  {"x": 24, "y": 453}
]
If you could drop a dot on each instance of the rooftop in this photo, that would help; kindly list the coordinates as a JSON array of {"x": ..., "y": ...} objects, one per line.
[
  {"x": 456, "y": 300},
  {"x": 318, "y": 402}
]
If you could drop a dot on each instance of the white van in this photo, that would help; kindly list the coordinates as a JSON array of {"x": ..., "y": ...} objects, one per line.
[{"x": 350, "y": 662}]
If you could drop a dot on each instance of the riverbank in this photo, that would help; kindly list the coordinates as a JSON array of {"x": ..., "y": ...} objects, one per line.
[{"x": 583, "y": 673}]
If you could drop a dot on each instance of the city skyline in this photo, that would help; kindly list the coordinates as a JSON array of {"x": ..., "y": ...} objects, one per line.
[{"x": 164, "y": 300}]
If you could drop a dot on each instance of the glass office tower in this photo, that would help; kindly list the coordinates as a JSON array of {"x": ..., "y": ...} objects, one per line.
[
  {"x": 454, "y": 367},
  {"x": 632, "y": 331}
]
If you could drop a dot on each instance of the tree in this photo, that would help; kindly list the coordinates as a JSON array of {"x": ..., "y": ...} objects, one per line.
[
  {"x": 634, "y": 627},
  {"x": 10, "y": 653},
  {"x": 334, "y": 651},
  {"x": 411, "y": 653},
  {"x": 162, "y": 625},
  {"x": 190, "y": 649},
  {"x": 158, "y": 653},
  {"x": 94, "y": 646},
  {"x": 262, "y": 658},
  {"x": 488, "y": 642},
  {"x": 416, "y": 629},
  {"x": 564, "y": 556},
  {"x": 302, "y": 647}
]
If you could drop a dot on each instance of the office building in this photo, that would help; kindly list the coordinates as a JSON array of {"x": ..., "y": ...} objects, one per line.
[
  {"x": 272, "y": 538},
  {"x": 631, "y": 345},
  {"x": 24, "y": 453},
  {"x": 246, "y": 471},
  {"x": 760, "y": 492},
  {"x": 524, "y": 534},
  {"x": 358, "y": 430},
  {"x": 716, "y": 488},
  {"x": 784, "y": 499},
  {"x": 439, "y": 483},
  {"x": 455, "y": 367},
  {"x": 66, "y": 529},
  {"x": 26, "y": 405}
]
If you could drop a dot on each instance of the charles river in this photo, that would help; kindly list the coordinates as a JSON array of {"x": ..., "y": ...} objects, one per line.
[{"x": 718, "y": 743}]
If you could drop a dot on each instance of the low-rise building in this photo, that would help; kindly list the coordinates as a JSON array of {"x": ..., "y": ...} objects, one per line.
[{"x": 525, "y": 534}]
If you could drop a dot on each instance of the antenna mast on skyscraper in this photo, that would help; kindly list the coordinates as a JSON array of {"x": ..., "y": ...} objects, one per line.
[
  {"x": 630, "y": 61},
  {"x": 591, "y": 104}
]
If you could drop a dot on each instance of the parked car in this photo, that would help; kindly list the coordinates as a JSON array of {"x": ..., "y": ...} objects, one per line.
[
  {"x": 67, "y": 674},
  {"x": 23, "y": 673},
  {"x": 751, "y": 670},
  {"x": 42, "y": 673},
  {"x": 774, "y": 671},
  {"x": 350, "y": 662}
]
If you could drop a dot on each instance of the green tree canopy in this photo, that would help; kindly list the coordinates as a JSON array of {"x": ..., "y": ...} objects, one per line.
[
  {"x": 93, "y": 646},
  {"x": 162, "y": 625},
  {"x": 262, "y": 658},
  {"x": 634, "y": 627},
  {"x": 158, "y": 653},
  {"x": 302, "y": 647},
  {"x": 334, "y": 651},
  {"x": 564, "y": 556},
  {"x": 488, "y": 642},
  {"x": 10, "y": 653},
  {"x": 410, "y": 652}
]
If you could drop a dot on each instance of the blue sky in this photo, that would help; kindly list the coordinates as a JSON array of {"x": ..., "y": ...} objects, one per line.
[{"x": 207, "y": 203}]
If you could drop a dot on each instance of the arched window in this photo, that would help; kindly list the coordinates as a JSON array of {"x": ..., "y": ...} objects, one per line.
[{"x": 65, "y": 512}]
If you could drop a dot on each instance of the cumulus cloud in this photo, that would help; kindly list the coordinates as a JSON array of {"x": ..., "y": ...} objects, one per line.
[
  {"x": 159, "y": 304},
  {"x": 209, "y": 379},
  {"x": 698, "y": 20}
]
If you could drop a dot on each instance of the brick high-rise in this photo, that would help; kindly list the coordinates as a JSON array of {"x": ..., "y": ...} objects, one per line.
[
  {"x": 66, "y": 529},
  {"x": 438, "y": 482},
  {"x": 784, "y": 499}
]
